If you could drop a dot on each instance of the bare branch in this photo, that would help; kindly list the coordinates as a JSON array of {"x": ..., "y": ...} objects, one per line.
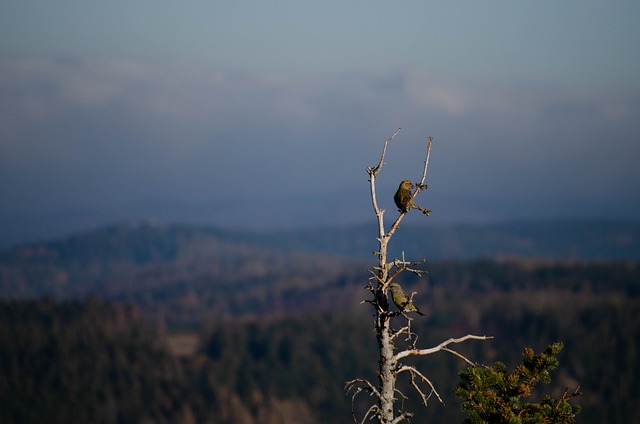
[
  {"x": 375, "y": 277},
  {"x": 421, "y": 209},
  {"x": 425, "y": 398},
  {"x": 395, "y": 225},
  {"x": 441, "y": 346},
  {"x": 401, "y": 395},
  {"x": 413, "y": 372},
  {"x": 426, "y": 163},
  {"x": 373, "y": 173},
  {"x": 421, "y": 185},
  {"x": 373, "y": 408},
  {"x": 433, "y": 388},
  {"x": 354, "y": 384},
  {"x": 376, "y": 170},
  {"x": 402, "y": 265},
  {"x": 575, "y": 393},
  {"x": 453, "y": 352},
  {"x": 368, "y": 387},
  {"x": 405, "y": 329},
  {"x": 402, "y": 417}
]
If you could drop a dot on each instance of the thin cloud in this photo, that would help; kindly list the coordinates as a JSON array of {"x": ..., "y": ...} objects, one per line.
[{"x": 130, "y": 130}]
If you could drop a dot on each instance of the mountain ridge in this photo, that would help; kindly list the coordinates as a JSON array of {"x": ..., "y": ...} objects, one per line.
[{"x": 560, "y": 239}]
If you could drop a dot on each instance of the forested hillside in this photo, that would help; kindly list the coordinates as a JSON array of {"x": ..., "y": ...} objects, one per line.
[
  {"x": 92, "y": 360},
  {"x": 84, "y": 362},
  {"x": 179, "y": 324}
]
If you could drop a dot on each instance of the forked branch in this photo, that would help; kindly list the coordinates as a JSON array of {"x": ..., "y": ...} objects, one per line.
[
  {"x": 373, "y": 173},
  {"x": 413, "y": 372},
  {"x": 419, "y": 187},
  {"x": 359, "y": 385},
  {"x": 376, "y": 170},
  {"x": 442, "y": 346}
]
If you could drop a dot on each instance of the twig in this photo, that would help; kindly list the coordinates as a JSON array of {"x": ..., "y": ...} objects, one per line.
[
  {"x": 373, "y": 173},
  {"x": 446, "y": 349},
  {"x": 364, "y": 418},
  {"x": 402, "y": 417},
  {"x": 419, "y": 187},
  {"x": 397, "y": 333},
  {"x": 376, "y": 170},
  {"x": 402, "y": 265},
  {"x": 354, "y": 383},
  {"x": 426, "y": 162},
  {"x": 575, "y": 393},
  {"x": 412, "y": 372}
]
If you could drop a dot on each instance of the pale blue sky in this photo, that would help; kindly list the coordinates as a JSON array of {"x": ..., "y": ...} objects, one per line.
[
  {"x": 578, "y": 41},
  {"x": 190, "y": 106}
]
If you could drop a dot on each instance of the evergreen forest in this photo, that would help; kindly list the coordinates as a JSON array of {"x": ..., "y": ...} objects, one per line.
[{"x": 164, "y": 324}]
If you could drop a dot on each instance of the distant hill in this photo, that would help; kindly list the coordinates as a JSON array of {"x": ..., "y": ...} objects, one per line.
[
  {"x": 560, "y": 239},
  {"x": 580, "y": 239},
  {"x": 188, "y": 272}
]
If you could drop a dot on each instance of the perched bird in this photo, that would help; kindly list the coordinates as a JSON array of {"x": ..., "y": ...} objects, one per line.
[
  {"x": 403, "y": 199},
  {"x": 401, "y": 299}
]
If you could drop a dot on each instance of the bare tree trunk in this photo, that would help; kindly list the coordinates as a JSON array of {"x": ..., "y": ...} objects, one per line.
[
  {"x": 379, "y": 284},
  {"x": 387, "y": 377}
]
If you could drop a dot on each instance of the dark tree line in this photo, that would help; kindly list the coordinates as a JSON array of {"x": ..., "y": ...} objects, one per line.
[{"x": 93, "y": 359}]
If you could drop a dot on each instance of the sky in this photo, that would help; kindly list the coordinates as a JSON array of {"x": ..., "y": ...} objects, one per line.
[{"x": 264, "y": 115}]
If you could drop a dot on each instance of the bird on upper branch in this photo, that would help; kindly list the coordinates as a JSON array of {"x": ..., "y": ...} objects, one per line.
[{"x": 403, "y": 198}]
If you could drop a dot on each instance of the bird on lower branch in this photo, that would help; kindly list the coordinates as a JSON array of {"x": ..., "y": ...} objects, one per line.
[{"x": 401, "y": 300}]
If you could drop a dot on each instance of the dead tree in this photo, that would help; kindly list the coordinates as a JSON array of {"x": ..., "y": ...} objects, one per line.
[{"x": 385, "y": 393}]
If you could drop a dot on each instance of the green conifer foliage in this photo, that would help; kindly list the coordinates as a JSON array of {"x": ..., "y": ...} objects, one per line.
[{"x": 494, "y": 395}]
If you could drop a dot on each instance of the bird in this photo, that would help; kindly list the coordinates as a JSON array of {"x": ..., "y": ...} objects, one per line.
[
  {"x": 401, "y": 300},
  {"x": 403, "y": 198}
]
